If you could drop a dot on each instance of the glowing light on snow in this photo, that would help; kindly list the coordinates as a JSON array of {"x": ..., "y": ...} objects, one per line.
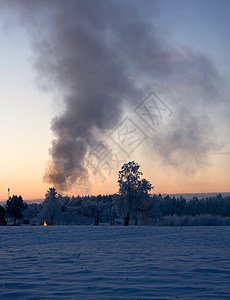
[{"x": 45, "y": 224}]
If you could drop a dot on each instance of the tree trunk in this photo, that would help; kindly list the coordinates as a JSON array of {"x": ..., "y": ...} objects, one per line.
[{"x": 126, "y": 220}]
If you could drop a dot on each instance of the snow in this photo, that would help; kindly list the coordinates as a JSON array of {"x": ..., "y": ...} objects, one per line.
[{"x": 87, "y": 262}]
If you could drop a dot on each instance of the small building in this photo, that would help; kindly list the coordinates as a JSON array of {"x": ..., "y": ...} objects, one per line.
[{"x": 2, "y": 216}]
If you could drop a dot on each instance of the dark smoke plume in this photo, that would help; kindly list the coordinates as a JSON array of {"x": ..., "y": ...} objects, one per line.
[{"x": 99, "y": 55}]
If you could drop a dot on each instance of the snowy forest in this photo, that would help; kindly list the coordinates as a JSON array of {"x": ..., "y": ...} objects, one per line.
[
  {"x": 132, "y": 205},
  {"x": 95, "y": 210}
]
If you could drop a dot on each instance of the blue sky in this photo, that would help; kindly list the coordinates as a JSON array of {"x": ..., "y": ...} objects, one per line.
[{"x": 24, "y": 116}]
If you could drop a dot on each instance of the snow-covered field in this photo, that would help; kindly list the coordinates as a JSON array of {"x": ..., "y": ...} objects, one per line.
[{"x": 72, "y": 262}]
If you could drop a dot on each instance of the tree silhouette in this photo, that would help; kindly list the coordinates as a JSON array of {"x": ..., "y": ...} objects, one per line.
[
  {"x": 131, "y": 187},
  {"x": 52, "y": 207},
  {"x": 14, "y": 207},
  {"x": 51, "y": 194}
]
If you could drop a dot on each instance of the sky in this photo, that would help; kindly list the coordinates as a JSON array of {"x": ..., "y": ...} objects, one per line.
[{"x": 86, "y": 86}]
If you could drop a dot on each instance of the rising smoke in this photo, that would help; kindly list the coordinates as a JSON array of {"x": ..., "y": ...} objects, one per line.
[{"x": 100, "y": 55}]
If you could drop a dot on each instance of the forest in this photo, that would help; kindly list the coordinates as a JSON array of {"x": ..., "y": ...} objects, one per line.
[
  {"x": 107, "y": 209},
  {"x": 132, "y": 205}
]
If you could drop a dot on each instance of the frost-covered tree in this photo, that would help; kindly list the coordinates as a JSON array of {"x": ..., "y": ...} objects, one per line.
[
  {"x": 132, "y": 189},
  {"x": 52, "y": 211},
  {"x": 14, "y": 207},
  {"x": 32, "y": 212}
]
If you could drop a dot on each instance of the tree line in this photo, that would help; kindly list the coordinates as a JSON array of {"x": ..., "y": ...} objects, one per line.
[
  {"x": 133, "y": 204},
  {"x": 108, "y": 209}
]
